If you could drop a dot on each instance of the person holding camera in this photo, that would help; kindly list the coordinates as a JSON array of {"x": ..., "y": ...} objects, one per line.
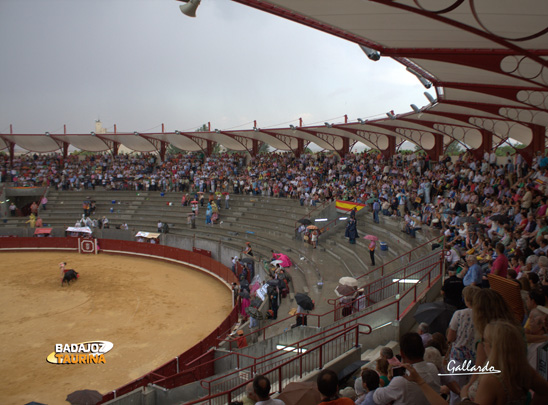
[{"x": 400, "y": 391}]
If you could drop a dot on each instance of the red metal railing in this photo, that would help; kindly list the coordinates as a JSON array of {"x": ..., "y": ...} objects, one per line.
[
  {"x": 408, "y": 254},
  {"x": 399, "y": 273},
  {"x": 284, "y": 371},
  {"x": 279, "y": 369},
  {"x": 303, "y": 357}
]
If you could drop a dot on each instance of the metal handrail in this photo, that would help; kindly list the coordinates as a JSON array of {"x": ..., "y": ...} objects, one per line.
[
  {"x": 309, "y": 214},
  {"x": 298, "y": 357},
  {"x": 331, "y": 301},
  {"x": 399, "y": 257},
  {"x": 354, "y": 323},
  {"x": 318, "y": 336}
]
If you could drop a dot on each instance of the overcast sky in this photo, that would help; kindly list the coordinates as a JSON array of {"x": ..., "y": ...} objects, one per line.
[{"x": 141, "y": 63}]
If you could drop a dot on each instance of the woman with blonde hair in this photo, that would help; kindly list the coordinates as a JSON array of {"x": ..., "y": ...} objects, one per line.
[
  {"x": 488, "y": 306},
  {"x": 506, "y": 351},
  {"x": 382, "y": 370}
]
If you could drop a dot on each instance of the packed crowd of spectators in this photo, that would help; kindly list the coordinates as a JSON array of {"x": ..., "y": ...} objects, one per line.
[{"x": 491, "y": 211}]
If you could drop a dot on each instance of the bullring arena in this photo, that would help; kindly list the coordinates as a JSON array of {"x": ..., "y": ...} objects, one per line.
[
  {"x": 150, "y": 310},
  {"x": 479, "y": 161}
]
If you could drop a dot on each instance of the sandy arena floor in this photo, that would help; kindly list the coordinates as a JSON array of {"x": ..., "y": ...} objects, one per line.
[{"x": 150, "y": 310}]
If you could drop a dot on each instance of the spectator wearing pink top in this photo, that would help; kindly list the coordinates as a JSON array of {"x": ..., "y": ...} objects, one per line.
[
  {"x": 500, "y": 265},
  {"x": 388, "y": 354}
]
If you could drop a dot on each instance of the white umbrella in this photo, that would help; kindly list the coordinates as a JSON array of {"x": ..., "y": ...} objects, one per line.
[
  {"x": 275, "y": 262},
  {"x": 349, "y": 281}
]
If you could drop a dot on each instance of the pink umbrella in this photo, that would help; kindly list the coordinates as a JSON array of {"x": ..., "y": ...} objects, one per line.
[
  {"x": 371, "y": 237},
  {"x": 285, "y": 260}
]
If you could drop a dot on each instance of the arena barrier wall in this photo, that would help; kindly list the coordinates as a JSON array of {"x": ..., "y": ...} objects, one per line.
[{"x": 160, "y": 252}]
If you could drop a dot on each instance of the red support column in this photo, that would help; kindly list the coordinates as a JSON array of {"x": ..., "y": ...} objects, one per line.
[
  {"x": 255, "y": 148},
  {"x": 65, "y": 149},
  {"x": 163, "y": 149},
  {"x": 345, "y": 147},
  {"x": 437, "y": 150},
  {"x": 115, "y": 147},
  {"x": 209, "y": 148},
  {"x": 391, "y": 150},
  {"x": 300, "y": 148},
  {"x": 538, "y": 143},
  {"x": 486, "y": 144},
  {"x": 11, "y": 146}
]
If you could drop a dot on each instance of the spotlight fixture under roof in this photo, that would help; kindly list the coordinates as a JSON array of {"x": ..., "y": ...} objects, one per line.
[
  {"x": 371, "y": 53},
  {"x": 293, "y": 127},
  {"x": 189, "y": 8},
  {"x": 328, "y": 125},
  {"x": 47, "y": 134},
  {"x": 415, "y": 108},
  {"x": 361, "y": 121},
  {"x": 391, "y": 116},
  {"x": 136, "y": 133},
  {"x": 92, "y": 133},
  {"x": 217, "y": 131},
  {"x": 425, "y": 82},
  {"x": 430, "y": 97}
]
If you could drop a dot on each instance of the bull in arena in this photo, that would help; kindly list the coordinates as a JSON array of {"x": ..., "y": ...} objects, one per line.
[{"x": 69, "y": 276}]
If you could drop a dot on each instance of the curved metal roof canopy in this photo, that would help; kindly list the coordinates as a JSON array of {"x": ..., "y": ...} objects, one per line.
[{"x": 488, "y": 62}]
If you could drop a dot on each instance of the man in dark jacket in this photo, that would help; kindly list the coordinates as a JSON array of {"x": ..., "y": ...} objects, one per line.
[{"x": 452, "y": 290}]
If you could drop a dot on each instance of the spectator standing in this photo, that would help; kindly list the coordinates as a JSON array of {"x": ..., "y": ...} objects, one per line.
[
  {"x": 376, "y": 209},
  {"x": 452, "y": 290},
  {"x": 241, "y": 340},
  {"x": 314, "y": 238},
  {"x": 13, "y": 209},
  {"x": 34, "y": 208},
  {"x": 461, "y": 334},
  {"x": 44, "y": 202},
  {"x": 372, "y": 247}
]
